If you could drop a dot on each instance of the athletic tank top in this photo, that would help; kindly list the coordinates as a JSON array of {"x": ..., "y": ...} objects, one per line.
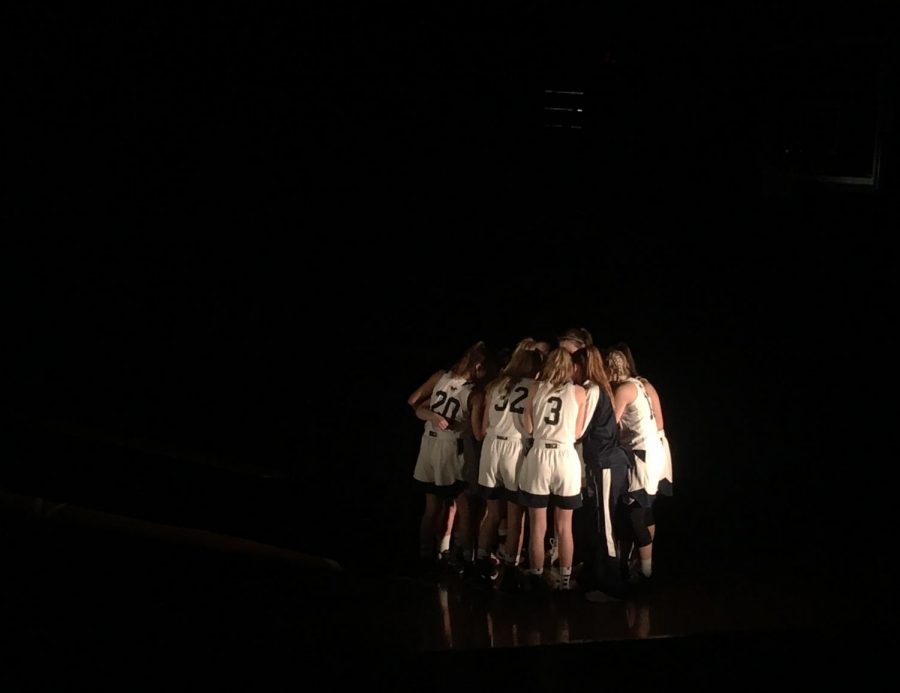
[
  {"x": 555, "y": 413},
  {"x": 505, "y": 411},
  {"x": 450, "y": 399},
  {"x": 638, "y": 423}
]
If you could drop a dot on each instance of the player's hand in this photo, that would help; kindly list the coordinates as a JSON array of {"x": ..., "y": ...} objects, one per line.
[{"x": 439, "y": 422}]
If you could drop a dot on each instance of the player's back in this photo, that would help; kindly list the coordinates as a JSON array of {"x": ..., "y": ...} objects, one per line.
[
  {"x": 506, "y": 408},
  {"x": 450, "y": 399},
  {"x": 555, "y": 411}
]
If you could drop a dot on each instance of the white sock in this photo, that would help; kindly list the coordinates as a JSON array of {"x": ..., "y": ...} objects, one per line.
[
  {"x": 445, "y": 543},
  {"x": 565, "y": 578},
  {"x": 506, "y": 558},
  {"x": 647, "y": 566}
]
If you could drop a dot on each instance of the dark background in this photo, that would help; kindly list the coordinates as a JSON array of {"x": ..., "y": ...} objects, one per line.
[{"x": 239, "y": 235}]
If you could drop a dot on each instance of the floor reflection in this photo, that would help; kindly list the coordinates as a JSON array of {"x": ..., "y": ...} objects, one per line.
[
  {"x": 470, "y": 618},
  {"x": 637, "y": 618},
  {"x": 701, "y": 599}
]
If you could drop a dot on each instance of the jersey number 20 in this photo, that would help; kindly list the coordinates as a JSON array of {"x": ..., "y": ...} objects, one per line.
[{"x": 448, "y": 402}]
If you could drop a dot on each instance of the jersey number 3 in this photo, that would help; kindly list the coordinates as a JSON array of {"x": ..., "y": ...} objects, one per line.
[{"x": 555, "y": 406}]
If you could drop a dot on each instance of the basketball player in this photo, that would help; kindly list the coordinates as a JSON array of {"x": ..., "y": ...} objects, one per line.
[
  {"x": 638, "y": 434},
  {"x": 666, "y": 486},
  {"x": 554, "y": 415},
  {"x": 606, "y": 470},
  {"x": 502, "y": 454},
  {"x": 439, "y": 463}
]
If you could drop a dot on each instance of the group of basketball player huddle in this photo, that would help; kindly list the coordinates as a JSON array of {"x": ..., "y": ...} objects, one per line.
[{"x": 509, "y": 435}]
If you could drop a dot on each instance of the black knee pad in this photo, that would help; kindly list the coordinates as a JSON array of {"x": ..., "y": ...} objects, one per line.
[{"x": 638, "y": 517}]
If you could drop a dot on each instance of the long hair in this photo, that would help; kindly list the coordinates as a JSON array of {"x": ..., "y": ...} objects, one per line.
[
  {"x": 467, "y": 363},
  {"x": 591, "y": 361},
  {"x": 617, "y": 366},
  {"x": 557, "y": 369},
  {"x": 486, "y": 371},
  {"x": 525, "y": 362},
  {"x": 527, "y": 343},
  {"x": 626, "y": 350},
  {"x": 579, "y": 335}
]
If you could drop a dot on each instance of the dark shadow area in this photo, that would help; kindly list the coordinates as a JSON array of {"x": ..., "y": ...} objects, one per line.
[{"x": 239, "y": 238}]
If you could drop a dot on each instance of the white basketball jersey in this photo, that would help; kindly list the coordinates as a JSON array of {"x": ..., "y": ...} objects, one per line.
[
  {"x": 505, "y": 410},
  {"x": 638, "y": 426},
  {"x": 592, "y": 396},
  {"x": 450, "y": 399},
  {"x": 555, "y": 413}
]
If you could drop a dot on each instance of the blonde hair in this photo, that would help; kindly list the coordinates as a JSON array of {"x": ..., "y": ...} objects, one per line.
[
  {"x": 526, "y": 343},
  {"x": 579, "y": 335},
  {"x": 525, "y": 362},
  {"x": 558, "y": 368},
  {"x": 617, "y": 366}
]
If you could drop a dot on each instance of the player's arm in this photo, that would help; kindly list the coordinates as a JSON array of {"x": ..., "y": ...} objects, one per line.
[
  {"x": 581, "y": 398},
  {"x": 485, "y": 415},
  {"x": 423, "y": 393},
  {"x": 476, "y": 406},
  {"x": 623, "y": 396},
  {"x": 527, "y": 414},
  {"x": 426, "y": 413},
  {"x": 656, "y": 405}
]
